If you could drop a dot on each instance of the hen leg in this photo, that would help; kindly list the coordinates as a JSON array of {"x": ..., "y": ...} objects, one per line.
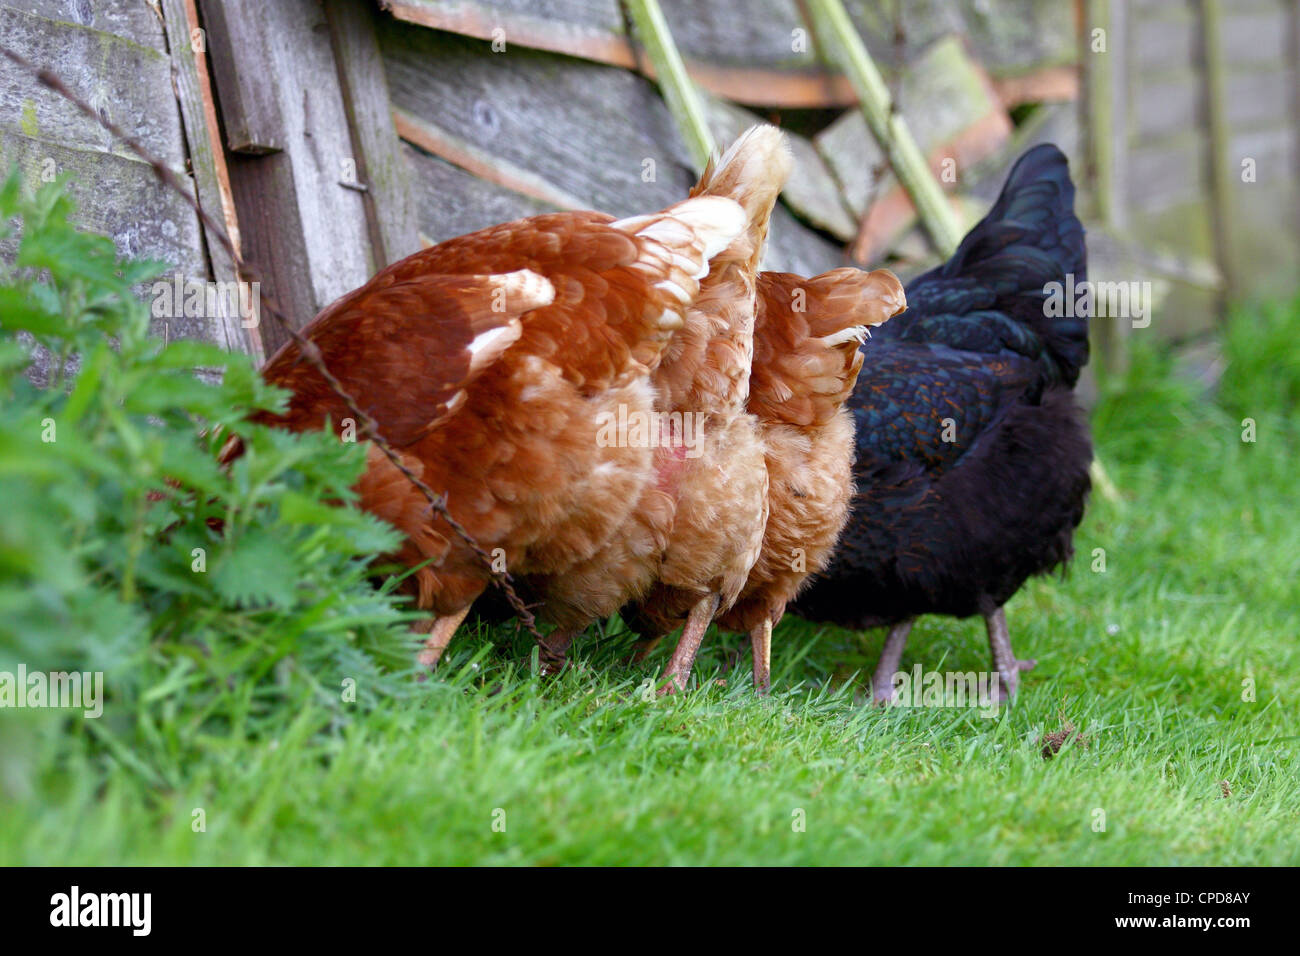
[
  {"x": 1004, "y": 660},
  {"x": 760, "y": 640},
  {"x": 440, "y": 634},
  {"x": 679, "y": 665},
  {"x": 882, "y": 682}
]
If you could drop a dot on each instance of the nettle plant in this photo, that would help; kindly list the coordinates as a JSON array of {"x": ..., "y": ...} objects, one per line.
[{"x": 221, "y": 603}]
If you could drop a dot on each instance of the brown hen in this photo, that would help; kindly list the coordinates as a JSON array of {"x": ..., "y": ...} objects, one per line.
[
  {"x": 722, "y": 494},
  {"x": 491, "y": 363},
  {"x": 694, "y": 531},
  {"x": 806, "y": 362}
]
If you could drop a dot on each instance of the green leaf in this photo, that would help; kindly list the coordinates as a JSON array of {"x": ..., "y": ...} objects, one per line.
[{"x": 255, "y": 570}]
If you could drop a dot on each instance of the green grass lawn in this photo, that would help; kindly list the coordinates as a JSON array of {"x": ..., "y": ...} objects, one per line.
[{"x": 1152, "y": 661}]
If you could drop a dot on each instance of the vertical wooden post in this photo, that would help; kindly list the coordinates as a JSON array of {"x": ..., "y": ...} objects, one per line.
[
  {"x": 292, "y": 158},
  {"x": 381, "y": 168},
  {"x": 1218, "y": 146},
  {"x": 206, "y": 155},
  {"x": 1107, "y": 125}
]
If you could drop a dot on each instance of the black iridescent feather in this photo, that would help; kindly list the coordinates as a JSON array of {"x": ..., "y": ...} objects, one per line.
[{"x": 956, "y": 526}]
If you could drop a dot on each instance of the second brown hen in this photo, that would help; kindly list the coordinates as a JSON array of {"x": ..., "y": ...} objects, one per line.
[
  {"x": 723, "y": 496},
  {"x": 806, "y": 362},
  {"x": 695, "y": 533}
]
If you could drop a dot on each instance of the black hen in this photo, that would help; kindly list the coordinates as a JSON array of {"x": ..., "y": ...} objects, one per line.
[{"x": 972, "y": 457}]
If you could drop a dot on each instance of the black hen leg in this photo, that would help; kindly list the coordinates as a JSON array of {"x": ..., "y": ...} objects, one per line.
[
  {"x": 882, "y": 682},
  {"x": 1004, "y": 660}
]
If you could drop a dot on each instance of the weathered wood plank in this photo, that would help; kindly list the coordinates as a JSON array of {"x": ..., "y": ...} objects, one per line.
[
  {"x": 812, "y": 192},
  {"x": 1257, "y": 97},
  {"x": 1167, "y": 106},
  {"x": 1018, "y": 36},
  {"x": 1008, "y": 37},
  {"x": 756, "y": 58},
  {"x": 380, "y": 166},
  {"x": 274, "y": 240},
  {"x": 123, "y": 199},
  {"x": 207, "y": 160},
  {"x": 304, "y": 222},
  {"x": 955, "y": 115},
  {"x": 155, "y": 223},
  {"x": 481, "y": 163},
  {"x": 240, "y": 48},
  {"x": 529, "y": 110},
  {"x": 134, "y": 20},
  {"x": 118, "y": 77},
  {"x": 450, "y": 202},
  {"x": 1250, "y": 39},
  {"x": 1167, "y": 39},
  {"x": 1166, "y": 173}
]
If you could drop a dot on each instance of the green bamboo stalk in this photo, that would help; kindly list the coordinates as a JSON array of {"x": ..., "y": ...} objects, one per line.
[
  {"x": 674, "y": 83},
  {"x": 840, "y": 41}
]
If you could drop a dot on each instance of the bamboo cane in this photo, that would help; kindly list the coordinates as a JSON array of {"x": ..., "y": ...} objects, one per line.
[
  {"x": 841, "y": 43},
  {"x": 674, "y": 82}
]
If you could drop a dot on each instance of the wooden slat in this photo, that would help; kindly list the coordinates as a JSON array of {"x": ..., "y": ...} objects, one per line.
[
  {"x": 594, "y": 30},
  {"x": 481, "y": 163},
  {"x": 1008, "y": 37},
  {"x": 240, "y": 49},
  {"x": 1167, "y": 38},
  {"x": 1257, "y": 97},
  {"x": 121, "y": 198},
  {"x": 304, "y": 224},
  {"x": 118, "y": 77},
  {"x": 380, "y": 166},
  {"x": 1168, "y": 106},
  {"x": 954, "y": 114},
  {"x": 449, "y": 201},
  {"x": 206, "y": 159},
  {"x": 599, "y": 136},
  {"x": 1165, "y": 173},
  {"x": 135, "y": 21},
  {"x": 1250, "y": 39}
]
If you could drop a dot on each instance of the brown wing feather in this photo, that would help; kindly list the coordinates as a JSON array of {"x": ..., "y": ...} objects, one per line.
[
  {"x": 806, "y": 362},
  {"x": 405, "y": 350}
]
